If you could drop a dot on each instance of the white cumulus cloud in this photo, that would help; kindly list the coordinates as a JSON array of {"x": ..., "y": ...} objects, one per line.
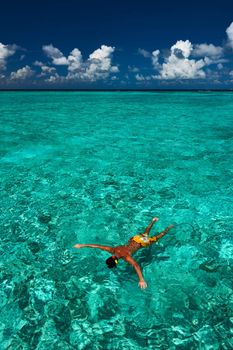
[
  {"x": 102, "y": 53},
  {"x": 155, "y": 59},
  {"x": 182, "y": 49},
  {"x": 209, "y": 50},
  {"x": 144, "y": 53},
  {"x": 74, "y": 60},
  {"x": 57, "y": 56},
  {"x": 44, "y": 68},
  {"x": 55, "y": 78},
  {"x": 187, "y": 61},
  {"x": 22, "y": 73},
  {"x": 140, "y": 77},
  {"x": 5, "y": 52},
  {"x": 179, "y": 65},
  {"x": 97, "y": 66},
  {"x": 229, "y": 32}
]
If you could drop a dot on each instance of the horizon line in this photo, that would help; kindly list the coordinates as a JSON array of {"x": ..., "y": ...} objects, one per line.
[{"x": 115, "y": 90}]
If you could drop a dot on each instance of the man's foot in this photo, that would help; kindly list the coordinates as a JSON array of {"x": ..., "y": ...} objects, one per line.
[{"x": 155, "y": 219}]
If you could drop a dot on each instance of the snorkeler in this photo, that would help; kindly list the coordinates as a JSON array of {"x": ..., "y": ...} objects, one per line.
[{"x": 141, "y": 240}]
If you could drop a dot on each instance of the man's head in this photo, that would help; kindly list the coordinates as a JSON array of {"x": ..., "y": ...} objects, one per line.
[{"x": 112, "y": 261}]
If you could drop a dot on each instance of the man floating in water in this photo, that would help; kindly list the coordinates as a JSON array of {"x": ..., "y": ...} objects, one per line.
[{"x": 141, "y": 240}]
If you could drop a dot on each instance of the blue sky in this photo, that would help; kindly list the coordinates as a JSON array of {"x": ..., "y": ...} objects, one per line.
[{"x": 116, "y": 44}]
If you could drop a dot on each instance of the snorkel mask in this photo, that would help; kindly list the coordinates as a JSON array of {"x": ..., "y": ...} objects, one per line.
[{"x": 112, "y": 261}]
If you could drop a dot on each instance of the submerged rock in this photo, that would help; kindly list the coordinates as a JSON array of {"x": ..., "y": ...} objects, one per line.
[
  {"x": 34, "y": 247},
  {"x": 45, "y": 218},
  {"x": 166, "y": 193},
  {"x": 209, "y": 266}
]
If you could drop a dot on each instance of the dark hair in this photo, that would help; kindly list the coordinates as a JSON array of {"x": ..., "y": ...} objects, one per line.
[{"x": 111, "y": 262}]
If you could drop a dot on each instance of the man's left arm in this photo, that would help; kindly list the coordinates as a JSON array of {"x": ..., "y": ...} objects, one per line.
[{"x": 103, "y": 247}]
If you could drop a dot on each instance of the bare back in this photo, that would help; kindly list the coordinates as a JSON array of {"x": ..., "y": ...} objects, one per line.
[{"x": 122, "y": 251}]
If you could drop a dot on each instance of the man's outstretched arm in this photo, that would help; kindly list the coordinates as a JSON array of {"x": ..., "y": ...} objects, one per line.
[
  {"x": 103, "y": 247},
  {"x": 142, "y": 284},
  {"x": 148, "y": 228}
]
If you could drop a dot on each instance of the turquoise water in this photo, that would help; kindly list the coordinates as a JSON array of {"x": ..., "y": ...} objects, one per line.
[{"x": 95, "y": 167}]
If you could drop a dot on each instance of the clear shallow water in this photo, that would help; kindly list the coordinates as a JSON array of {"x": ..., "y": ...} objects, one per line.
[{"x": 95, "y": 167}]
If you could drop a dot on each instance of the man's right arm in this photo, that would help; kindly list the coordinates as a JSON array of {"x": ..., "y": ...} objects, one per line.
[{"x": 142, "y": 284}]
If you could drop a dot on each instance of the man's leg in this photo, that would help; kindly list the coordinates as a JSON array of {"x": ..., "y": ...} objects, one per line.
[
  {"x": 148, "y": 228},
  {"x": 163, "y": 233}
]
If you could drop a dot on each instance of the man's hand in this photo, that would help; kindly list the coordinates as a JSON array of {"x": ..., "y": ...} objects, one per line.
[
  {"x": 77, "y": 246},
  {"x": 142, "y": 284}
]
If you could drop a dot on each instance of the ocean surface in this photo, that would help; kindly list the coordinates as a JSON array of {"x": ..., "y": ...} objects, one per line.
[{"x": 95, "y": 167}]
